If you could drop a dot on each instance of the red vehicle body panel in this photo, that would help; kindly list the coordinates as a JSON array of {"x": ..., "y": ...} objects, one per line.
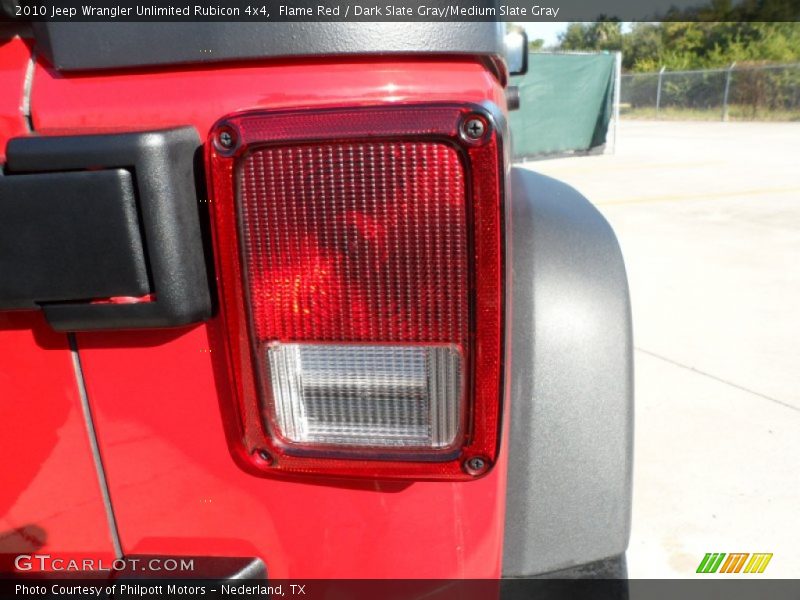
[
  {"x": 15, "y": 56},
  {"x": 158, "y": 397},
  {"x": 50, "y": 500}
]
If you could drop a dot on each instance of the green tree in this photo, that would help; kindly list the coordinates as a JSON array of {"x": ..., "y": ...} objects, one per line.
[
  {"x": 643, "y": 44},
  {"x": 681, "y": 45},
  {"x": 534, "y": 45},
  {"x": 597, "y": 36}
]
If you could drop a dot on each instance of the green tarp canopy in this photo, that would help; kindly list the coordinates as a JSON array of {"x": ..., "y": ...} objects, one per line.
[{"x": 566, "y": 102}]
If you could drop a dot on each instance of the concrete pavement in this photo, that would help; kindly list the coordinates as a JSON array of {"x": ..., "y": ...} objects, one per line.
[{"x": 708, "y": 217}]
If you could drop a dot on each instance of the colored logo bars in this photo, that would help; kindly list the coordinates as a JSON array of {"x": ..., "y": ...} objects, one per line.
[{"x": 719, "y": 562}]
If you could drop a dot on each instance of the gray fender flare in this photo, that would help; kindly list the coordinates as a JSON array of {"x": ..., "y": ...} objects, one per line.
[{"x": 571, "y": 382}]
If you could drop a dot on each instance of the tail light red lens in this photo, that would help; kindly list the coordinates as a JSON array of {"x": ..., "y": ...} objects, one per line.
[{"x": 360, "y": 261}]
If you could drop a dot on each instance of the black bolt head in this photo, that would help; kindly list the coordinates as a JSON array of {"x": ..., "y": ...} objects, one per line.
[
  {"x": 474, "y": 129},
  {"x": 225, "y": 139},
  {"x": 476, "y": 465},
  {"x": 265, "y": 456}
]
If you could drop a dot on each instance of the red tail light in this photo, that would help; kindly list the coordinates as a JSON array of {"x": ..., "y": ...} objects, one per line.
[{"x": 360, "y": 261}]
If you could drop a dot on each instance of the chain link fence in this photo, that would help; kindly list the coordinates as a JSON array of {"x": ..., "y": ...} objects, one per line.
[{"x": 740, "y": 92}]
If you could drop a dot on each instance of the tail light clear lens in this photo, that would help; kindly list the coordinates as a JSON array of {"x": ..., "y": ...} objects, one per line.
[
  {"x": 399, "y": 397},
  {"x": 361, "y": 269}
]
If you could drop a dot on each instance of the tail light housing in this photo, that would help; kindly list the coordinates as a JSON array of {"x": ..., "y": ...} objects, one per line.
[{"x": 360, "y": 262}]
